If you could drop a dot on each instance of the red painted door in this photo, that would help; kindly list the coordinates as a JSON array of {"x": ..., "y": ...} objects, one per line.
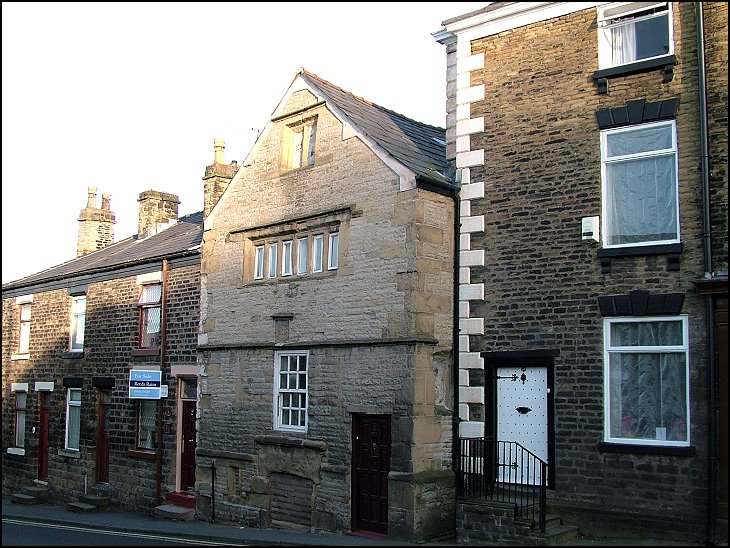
[
  {"x": 187, "y": 459},
  {"x": 370, "y": 467},
  {"x": 45, "y": 414},
  {"x": 102, "y": 438}
]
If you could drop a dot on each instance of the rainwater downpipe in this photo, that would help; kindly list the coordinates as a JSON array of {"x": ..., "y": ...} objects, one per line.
[
  {"x": 455, "y": 374},
  {"x": 163, "y": 337},
  {"x": 709, "y": 308}
]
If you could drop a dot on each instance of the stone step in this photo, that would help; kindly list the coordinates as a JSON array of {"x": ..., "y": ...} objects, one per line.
[
  {"x": 35, "y": 491},
  {"x": 96, "y": 500},
  {"x": 24, "y": 498},
  {"x": 557, "y": 535},
  {"x": 173, "y": 512},
  {"x": 185, "y": 500},
  {"x": 82, "y": 507}
]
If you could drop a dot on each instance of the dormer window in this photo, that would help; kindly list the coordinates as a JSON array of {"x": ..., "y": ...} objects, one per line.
[
  {"x": 298, "y": 141},
  {"x": 629, "y": 32}
]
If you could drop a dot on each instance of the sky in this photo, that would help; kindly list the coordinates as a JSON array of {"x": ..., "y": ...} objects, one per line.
[{"x": 129, "y": 97}]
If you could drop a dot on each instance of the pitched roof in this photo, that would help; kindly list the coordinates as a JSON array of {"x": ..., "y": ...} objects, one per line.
[
  {"x": 182, "y": 238},
  {"x": 418, "y": 146}
]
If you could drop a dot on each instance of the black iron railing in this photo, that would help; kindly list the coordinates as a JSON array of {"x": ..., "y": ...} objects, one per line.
[{"x": 503, "y": 471}]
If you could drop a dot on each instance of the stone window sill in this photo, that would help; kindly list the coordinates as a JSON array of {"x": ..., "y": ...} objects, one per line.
[
  {"x": 16, "y": 451},
  {"x": 142, "y": 454},
  {"x": 25, "y": 356},
  {"x": 686, "y": 451},
  {"x": 71, "y": 453},
  {"x": 145, "y": 351}
]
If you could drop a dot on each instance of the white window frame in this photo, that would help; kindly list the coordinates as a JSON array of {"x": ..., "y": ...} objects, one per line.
[
  {"x": 145, "y": 306},
  {"x": 609, "y": 349},
  {"x": 333, "y": 251},
  {"x": 20, "y": 411},
  {"x": 607, "y": 203},
  {"x": 318, "y": 253},
  {"x": 73, "y": 403},
  {"x": 258, "y": 263},
  {"x": 302, "y": 255},
  {"x": 25, "y": 314},
  {"x": 286, "y": 257},
  {"x": 273, "y": 252},
  {"x": 614, "y": 15},
  {"x": 78, "y": 324},
  {"x": 282, "y": 411}
]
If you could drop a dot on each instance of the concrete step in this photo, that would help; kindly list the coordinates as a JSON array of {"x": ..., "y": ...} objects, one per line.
[
  {"x": 82, "y": 507},
  {"x": 173, "y": 512},
  {"x": 24, "y": 498}
]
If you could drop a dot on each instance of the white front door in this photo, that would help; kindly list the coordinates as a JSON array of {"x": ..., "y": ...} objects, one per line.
[{"x": 522, "y": 417}]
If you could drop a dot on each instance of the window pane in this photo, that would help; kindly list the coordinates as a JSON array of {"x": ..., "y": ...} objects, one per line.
[
  {"x": 637, "y": 141},
  {"x": 641, "y": 200},
  {"x": 147, "y": 425},
  {"x": 25, "y": 312},
  {"x": 317, "y": 252},
  {"x": 334, "y": 250},
  {"x": 20, "y": 398},
  {"x": 302, "y": 257},
  {"x": 73, "y": 418},
  {"x": 286, "y": 258},
  {"x": 259, "y": 262},
  {"x": 647, "y": 394},
  {"x": 272, "y": 260},
  {"x": 150, "y": 336},
  {"x": 647, "y": 334},
  {"x": 151, "y": 294}
]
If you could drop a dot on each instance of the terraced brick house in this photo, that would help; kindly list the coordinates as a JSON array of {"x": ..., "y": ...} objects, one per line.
[
  {"x": 326, "y": 336},
  {"x": 99, "y": 361},
  {"x": 590, "y": 140}
]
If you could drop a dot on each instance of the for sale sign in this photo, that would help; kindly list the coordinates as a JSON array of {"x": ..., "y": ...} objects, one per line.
[{"x": 144, "y": 384}]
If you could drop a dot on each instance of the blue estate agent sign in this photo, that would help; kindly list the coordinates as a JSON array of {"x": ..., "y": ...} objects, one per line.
[{"x": 144, "y": 384}]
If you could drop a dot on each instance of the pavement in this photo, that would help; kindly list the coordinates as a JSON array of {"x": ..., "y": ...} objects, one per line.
[{"x": 117, "y": 520}]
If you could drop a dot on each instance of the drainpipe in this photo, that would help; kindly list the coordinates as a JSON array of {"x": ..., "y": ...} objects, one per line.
[
  {"x": 163, "y": 337},
  {"x": 455, "y": 419},
  {"x": 709, "y": 308}
]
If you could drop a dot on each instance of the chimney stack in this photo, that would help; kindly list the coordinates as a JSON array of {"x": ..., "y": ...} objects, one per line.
[
  {"x": 96, "y": 226},
  {"x": 155, "y": 208},
  {"x": 217, "y": 177}
]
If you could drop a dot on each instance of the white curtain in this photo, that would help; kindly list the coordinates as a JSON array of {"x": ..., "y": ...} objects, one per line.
[{"x": 623, "y": 41}]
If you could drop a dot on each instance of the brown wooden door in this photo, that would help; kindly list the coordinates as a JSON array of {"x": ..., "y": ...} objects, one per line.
[
  {"x": 102, "y": 437},
  {"x": 187, "y": 459},
  {"x": 370, "y": 467},
  {"x": 721, "y": 344},
  {"x": 45, "y": 414}
]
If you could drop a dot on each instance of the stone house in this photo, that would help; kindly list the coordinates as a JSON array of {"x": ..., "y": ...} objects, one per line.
[
  {"x": 326, "y": 335},
  {"x": 99, "y": 360},
  {"x": 590, "y": 139}
]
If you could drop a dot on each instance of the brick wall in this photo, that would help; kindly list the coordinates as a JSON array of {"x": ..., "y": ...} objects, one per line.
[
  {"x": 111, "y": 333},
  {"x": 541, "y": 175}
]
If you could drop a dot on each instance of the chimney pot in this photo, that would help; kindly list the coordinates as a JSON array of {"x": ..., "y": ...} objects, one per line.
[
  {"x": 219, "y": 145},
  {"x": 92, "y": 197},
  {"x": 105, "y": 197}
]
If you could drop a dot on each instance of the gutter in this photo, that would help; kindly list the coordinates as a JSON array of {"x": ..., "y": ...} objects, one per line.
[{"x": 712, "y": 433}]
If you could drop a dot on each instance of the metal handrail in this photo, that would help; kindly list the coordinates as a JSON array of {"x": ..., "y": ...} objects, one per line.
[{"x": 503, "y": 471}]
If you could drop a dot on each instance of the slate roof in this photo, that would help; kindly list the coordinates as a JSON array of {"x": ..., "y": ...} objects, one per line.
[
  {"x": 418, "y": 146},
  {"x": 493, "y": 6},
  {"x": 182, "y": 238}
]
